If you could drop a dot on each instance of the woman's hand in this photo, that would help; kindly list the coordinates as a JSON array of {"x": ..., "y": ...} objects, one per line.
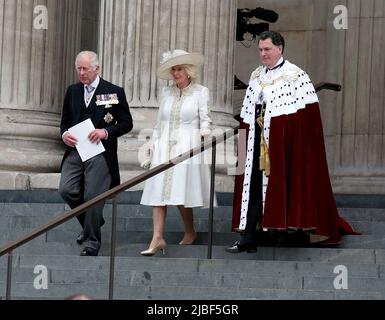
[
  {"x": 205, "y": 132},
  {"x": 146, "y": 164}
]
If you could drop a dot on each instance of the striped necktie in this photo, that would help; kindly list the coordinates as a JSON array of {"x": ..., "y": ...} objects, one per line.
[{"x": 89, "y": 90}]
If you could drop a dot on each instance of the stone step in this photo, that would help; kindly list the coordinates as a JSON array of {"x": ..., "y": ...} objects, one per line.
[
  {"x": 39, "y": 246},
  {"x": 159, "y": 278},
  {"x": 218, "y": 252},
  {"x": 134, "y": 237},
  {"x": 216, "y": 279},
  {"x": 15, "y": 226},
  {"x": 63, "y": 241},
  {"x": 18, "y": 219},
  {"x": 225, "y": 239},
  {"x": 362, "y": 214},
  {"x": 166, "y": 292},
  {"x": 124, "y": 210},
  {"x": 369, "y": 227},
  {"x": 224, "y": 198},
  {"x": 61, "y": 291},
  {"x": 139, "y": 211},
  {"x": 219, "y": 238},
  {"x": 263, "y": 253},
  {"x": 94, "y": 265},
  {"x": 371, "y": 241},
  {"x": 52, "y": 196}
]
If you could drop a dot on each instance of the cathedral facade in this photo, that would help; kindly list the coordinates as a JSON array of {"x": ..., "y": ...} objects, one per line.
[{"x": 334, "y": 41}]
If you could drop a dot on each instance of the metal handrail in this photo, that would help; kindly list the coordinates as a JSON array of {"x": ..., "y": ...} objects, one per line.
[{"x": 112, "y": 194}]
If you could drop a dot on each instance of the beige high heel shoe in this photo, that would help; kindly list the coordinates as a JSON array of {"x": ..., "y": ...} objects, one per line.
[
  {"x": 184, "y": 242},
  {"x": 161, "y": 245}
]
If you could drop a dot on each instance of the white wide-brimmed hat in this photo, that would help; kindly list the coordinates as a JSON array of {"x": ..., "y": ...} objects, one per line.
[{"x": 175, "y": 58}]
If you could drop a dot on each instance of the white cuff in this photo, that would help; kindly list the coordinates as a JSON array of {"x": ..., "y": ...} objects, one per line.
[{"x": 64, "y": 133}]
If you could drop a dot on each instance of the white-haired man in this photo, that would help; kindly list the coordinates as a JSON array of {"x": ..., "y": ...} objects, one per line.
[{"x": 106, "y": 105}]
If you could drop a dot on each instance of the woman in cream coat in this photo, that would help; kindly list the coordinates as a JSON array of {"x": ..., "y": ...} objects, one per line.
[{"x": 183, "y": 118}]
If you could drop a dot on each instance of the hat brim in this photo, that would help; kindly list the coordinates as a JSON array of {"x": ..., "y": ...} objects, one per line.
[{"x": 195, "y": 59}]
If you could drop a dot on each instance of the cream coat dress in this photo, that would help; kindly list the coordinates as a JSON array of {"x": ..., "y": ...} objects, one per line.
[{"x": 181, "y": 118}]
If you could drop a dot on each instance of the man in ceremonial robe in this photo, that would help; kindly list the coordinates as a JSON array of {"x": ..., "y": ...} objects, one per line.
[{"x": 285, "y": 187}]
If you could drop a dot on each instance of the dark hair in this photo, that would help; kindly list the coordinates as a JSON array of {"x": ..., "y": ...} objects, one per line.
[{"x": 276, "y": 38}]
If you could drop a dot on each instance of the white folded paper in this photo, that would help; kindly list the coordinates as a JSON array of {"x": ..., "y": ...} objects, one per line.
[{"x": 85, "y": 147}]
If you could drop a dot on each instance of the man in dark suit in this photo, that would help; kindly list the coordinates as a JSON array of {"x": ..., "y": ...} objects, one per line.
[{"x": 106, "y": 105}]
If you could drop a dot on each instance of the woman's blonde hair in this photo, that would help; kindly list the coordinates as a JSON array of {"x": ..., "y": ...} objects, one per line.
[{"x": 191, "y": 70}]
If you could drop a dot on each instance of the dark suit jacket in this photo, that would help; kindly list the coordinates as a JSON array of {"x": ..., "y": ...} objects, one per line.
[{"x": 121, "y": 123}]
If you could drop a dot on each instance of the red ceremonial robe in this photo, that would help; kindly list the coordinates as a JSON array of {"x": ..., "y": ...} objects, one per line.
[{"x": 298, "y": 192}]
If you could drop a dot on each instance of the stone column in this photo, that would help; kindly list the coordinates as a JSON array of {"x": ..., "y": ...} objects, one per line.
[
  {"x": 358, "y": 113},
  {"x": 36, "y": 66},
  {"x": 134, "y": 33}
]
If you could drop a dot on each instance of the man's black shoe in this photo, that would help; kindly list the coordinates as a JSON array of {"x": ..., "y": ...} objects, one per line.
[
  {"x": 87, "y": 251},
  {"x": 80, "y": 238},
  {"x": 237, "y": 247}
]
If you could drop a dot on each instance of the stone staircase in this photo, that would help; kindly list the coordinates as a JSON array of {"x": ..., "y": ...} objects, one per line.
[{"x": 184, "y": 272}]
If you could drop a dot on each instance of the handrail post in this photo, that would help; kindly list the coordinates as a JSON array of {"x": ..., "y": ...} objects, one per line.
[
  {"x": 9, "y": 277},
  {"x": 212, "y": 189},
  {"x": 113, "y": 247}
]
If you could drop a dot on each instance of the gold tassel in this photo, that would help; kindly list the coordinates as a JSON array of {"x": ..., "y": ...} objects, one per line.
[
  {"x": 267, "y": 161},
  {"x": 262, "y": 163},
  {"x": 264, "y": 159}
]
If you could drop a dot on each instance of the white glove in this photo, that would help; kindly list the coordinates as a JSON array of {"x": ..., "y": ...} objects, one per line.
[
  {"x": 205, "y": 132},
  {"x": 146, "y": 164}
]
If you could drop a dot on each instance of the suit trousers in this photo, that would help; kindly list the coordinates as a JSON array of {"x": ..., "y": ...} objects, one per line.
[{"x": 81, "y": 181}]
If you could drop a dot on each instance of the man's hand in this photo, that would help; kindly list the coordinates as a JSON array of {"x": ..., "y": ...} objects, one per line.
[
  {"x": 70, "y": 140},
  {"x": 97, "y": 135}
]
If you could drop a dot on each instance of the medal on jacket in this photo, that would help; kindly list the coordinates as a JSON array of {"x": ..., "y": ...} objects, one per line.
[
  {"x": 107, "y": 100},
  {"x": 108, "y": 117}
]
